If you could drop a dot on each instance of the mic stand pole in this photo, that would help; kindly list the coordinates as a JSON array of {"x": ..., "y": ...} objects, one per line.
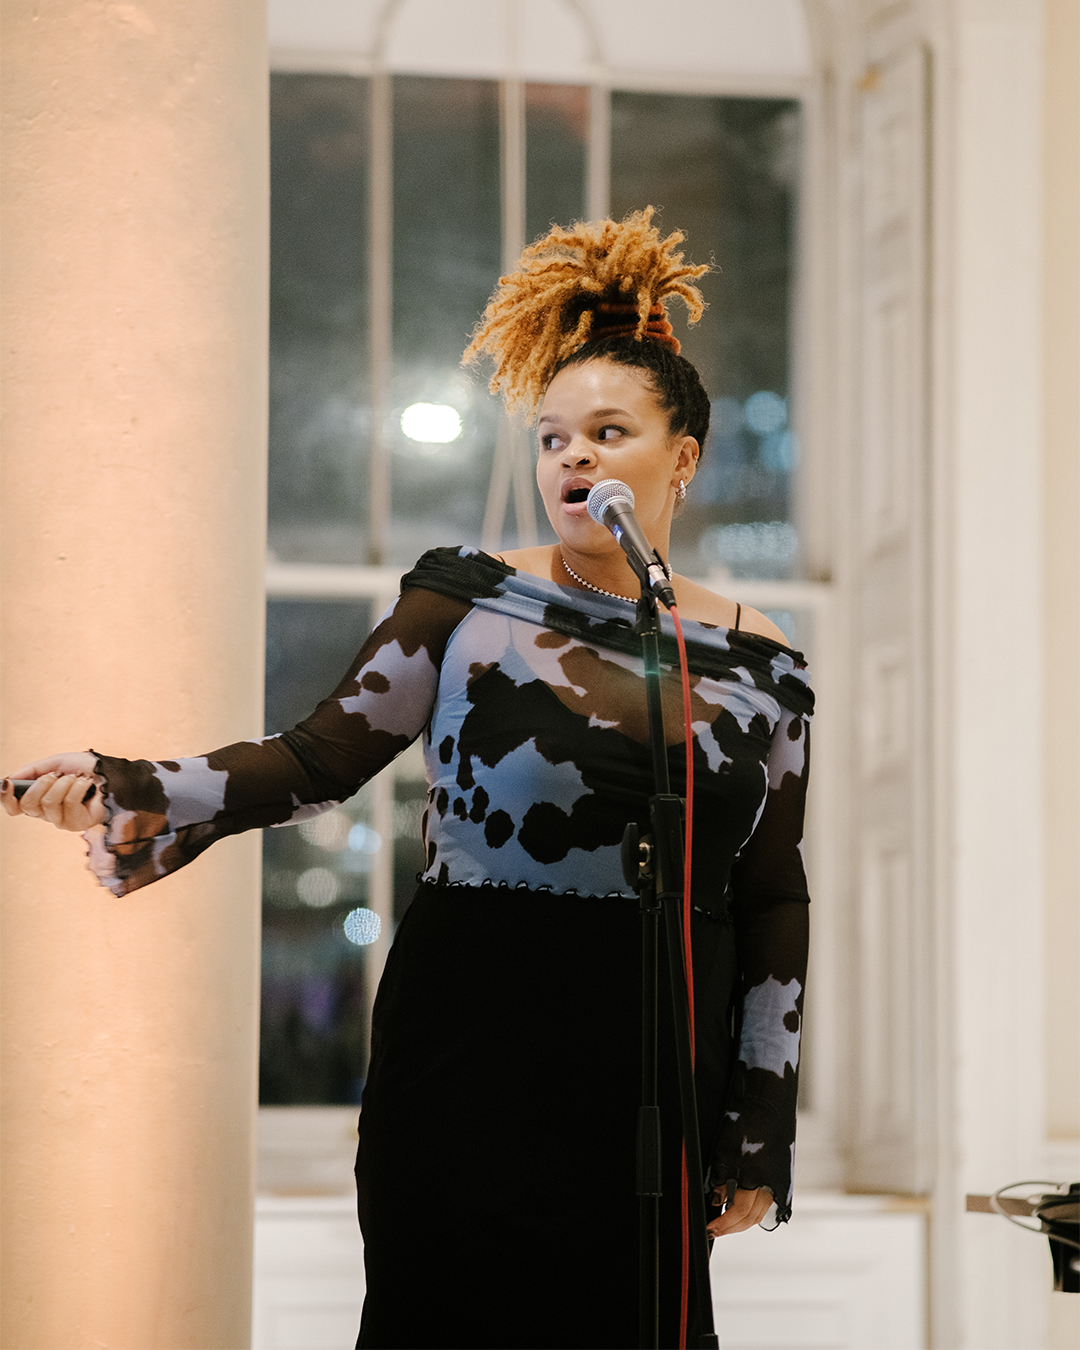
[{"x": 654, "y": 866}]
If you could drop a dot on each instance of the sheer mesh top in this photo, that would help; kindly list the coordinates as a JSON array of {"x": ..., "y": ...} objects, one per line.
[{"x": 530, "y": 700}]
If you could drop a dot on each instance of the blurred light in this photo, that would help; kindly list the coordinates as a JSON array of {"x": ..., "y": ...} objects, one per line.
[
  {"x": 765, "y": 412},
  {"x": 784, "y": 620},
  {"x": 363, "y": 839},
  {"x": 329, "y": 831},
  {"x": 317, "y": 887},
  {"x": 759, "y": 545},
  {"x": 431, "y": 423},
  {"x": 362, "y": 926},
  {"x": 726, "y": 417},
  {"x": 779, "y": 452}
]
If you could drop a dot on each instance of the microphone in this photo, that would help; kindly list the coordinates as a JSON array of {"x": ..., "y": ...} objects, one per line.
[
  {"x": 611, "y": 504},
  {"x": 20, "y": 787}
]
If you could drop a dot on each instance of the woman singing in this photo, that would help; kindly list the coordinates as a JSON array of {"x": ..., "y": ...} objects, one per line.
[{"x": 496, "y": 1169}]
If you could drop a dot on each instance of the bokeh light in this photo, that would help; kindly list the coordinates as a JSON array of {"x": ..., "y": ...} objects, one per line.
[
  {"x": 363, "y": 839},
  {"x": 318, "y": 887},
  {"x": 329, "y": 830},
  {"x": 765, "y": 412},
  {"x": 362, "y": 926},
  {"x": 431, "y": 423}
]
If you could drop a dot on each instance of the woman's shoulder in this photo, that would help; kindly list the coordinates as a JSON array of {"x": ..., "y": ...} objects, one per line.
[
  {"x": 702, "y": 605},
  {"x": 537, "y": 561},
  {"x": 461, "y": 572}
]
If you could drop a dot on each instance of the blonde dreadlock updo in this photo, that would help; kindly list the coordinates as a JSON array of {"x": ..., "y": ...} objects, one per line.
[{"x": 605, "y": 284}]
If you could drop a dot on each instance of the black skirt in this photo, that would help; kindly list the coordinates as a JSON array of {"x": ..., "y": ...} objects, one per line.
[{"x": 496, "y": 1168}]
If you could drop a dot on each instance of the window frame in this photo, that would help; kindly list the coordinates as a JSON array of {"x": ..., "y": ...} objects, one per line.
[{"x": 815, "y": 596}]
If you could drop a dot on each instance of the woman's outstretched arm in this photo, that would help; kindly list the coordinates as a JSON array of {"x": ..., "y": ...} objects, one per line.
[{"x": 154, "y": 816}]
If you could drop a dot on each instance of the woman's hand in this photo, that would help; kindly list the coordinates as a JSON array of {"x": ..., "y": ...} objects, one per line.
[
  {"x": 745, "y": 1210},
  {"x": 64, "y": 792}
]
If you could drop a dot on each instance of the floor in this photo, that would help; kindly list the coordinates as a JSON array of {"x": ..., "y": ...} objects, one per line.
[{"x": 846, "y": 1274}]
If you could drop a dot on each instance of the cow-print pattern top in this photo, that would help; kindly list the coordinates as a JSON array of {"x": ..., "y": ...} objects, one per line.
[{"x": 530, "y": 699}]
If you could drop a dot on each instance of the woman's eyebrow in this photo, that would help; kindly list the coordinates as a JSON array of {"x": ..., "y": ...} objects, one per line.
[{"x": 596, "y": 412}]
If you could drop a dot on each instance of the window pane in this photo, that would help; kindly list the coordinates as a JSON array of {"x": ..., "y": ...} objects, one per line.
[
  {"x": 319, "y": 395},
  {"x": 556, "y": 155},
  {"x": 314, "y": 1002},
  {"x": 446, "y": 262},
  {"x": 725, "y": 171},
  {"x": 556, "y": 140}
]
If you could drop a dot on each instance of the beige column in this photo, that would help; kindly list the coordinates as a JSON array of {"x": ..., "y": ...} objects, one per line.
[
  {"x": 1061, "y": 605},
  {"x": 134, "y": 340},
  {"x": 1061, "y": 557}
]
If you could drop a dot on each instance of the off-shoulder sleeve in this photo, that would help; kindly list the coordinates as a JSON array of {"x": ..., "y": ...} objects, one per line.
[
  {"x": 160, "y": 814},
  {"x": 756, "y": 1143}
]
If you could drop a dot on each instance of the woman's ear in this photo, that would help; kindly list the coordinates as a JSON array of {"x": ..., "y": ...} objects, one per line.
[{"x": 686, "y": 460}]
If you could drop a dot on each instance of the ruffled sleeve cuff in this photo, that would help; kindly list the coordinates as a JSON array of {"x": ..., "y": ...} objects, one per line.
[
  {"x": 136, "y": 845},
  {"x": 753, "y": 1157}
]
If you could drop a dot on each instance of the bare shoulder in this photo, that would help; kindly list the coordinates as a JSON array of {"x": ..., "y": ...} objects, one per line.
[
  {"x": 753, "y": 621},
  {"x": 536, "y": 561},
  {"x": 698, "y": 603}
]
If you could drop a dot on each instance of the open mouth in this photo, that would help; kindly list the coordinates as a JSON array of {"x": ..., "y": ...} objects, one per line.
[{"x": 575, "y": 490}]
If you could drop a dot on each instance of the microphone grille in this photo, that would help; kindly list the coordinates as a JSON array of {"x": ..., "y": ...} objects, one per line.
[{"x": 602, "y": 494}]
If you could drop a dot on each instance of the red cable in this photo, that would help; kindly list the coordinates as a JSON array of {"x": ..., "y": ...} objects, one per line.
[{"x": 688, "y": 963}]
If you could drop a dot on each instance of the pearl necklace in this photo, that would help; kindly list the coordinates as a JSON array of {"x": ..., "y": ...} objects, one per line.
[{"x": 630, "y": 599}]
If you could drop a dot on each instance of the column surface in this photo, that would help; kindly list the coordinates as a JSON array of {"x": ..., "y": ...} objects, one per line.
[
  {"x": 133, "y": 480},
  {"x": 990, "y": 1291}
]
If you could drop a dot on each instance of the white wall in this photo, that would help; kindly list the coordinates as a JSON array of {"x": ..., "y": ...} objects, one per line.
[{"x": 554, "y": 39}]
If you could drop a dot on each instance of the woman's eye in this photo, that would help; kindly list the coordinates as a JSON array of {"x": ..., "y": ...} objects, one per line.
[
  {"x": 551, "y": 442},
  {"x": 610, "y": 433}
]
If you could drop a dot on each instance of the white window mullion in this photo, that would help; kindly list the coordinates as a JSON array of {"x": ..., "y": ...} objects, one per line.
[
  {"x": 512, "y": 467},
  {"x": 598, "y": 171},
  {"x": 380, "y": 262}
]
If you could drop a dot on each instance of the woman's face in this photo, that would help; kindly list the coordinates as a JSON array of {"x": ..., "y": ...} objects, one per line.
[{"x": 602, "y": 420}]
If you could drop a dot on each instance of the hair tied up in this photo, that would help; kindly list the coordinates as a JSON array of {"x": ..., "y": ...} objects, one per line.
[
  {"x": 623, "y": 321},
  {"x": 590, "y": 282}
]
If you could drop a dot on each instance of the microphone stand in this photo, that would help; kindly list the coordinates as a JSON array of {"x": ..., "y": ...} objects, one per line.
[{"x": 653, "y": 865}]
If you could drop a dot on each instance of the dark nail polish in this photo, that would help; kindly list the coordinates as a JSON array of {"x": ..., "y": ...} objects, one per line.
[
  {"x": 89, "y": 793},
  {"x": 5, "y": 785}
]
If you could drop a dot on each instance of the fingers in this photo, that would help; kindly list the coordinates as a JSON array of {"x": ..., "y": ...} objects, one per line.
[
  {"x": 46, "y": 773},
  {"x": 7, "y": 797},
  {"x": 69, "y": 801},
  {"x": 74, "y": 761},
  {"x": 30, "y": 802},
  {"x": 745, "y": 1210}
]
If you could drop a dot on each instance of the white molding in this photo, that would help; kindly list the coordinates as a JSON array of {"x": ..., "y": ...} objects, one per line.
[
  {"x": 331, "y": 581},
  {"x": 716, "y": 85},
  {"x": 306, "y": 1150},
  {"x": 1061, "y": 1160},
  {"x": 848, "y": 1272},
  {"x": 719, "y": 85},
  {"x": 815, "y": 596},
  {"x": 286, "y": 61}
]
